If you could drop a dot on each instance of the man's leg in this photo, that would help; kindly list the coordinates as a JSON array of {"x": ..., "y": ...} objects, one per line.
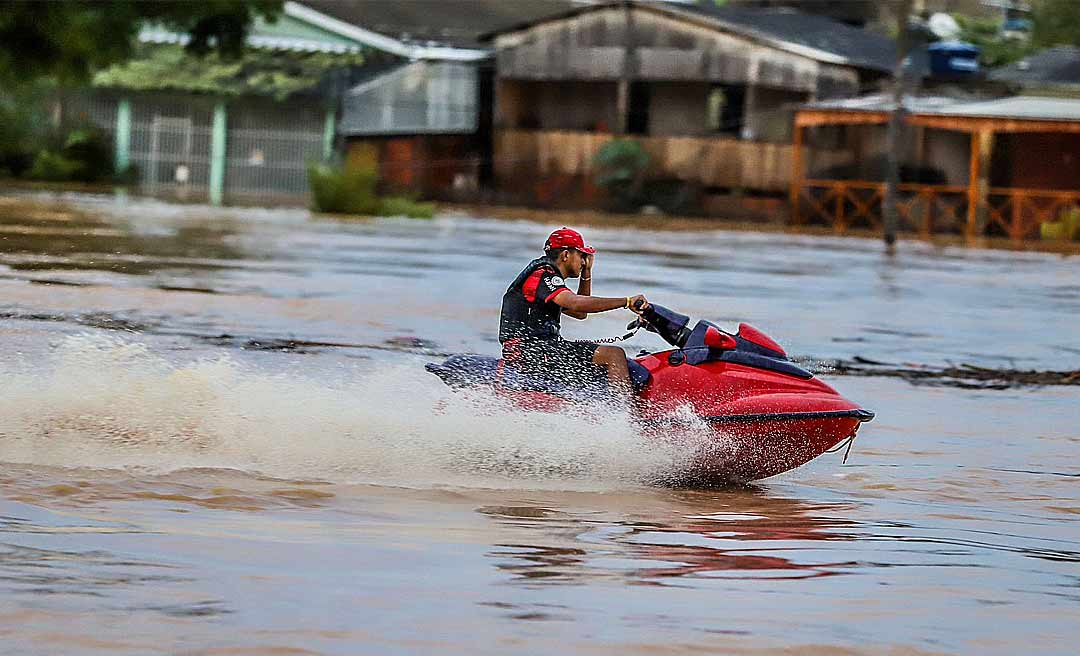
[{"x": 613, "y": 359}]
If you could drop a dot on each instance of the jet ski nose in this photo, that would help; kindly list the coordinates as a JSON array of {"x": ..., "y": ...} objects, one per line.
[{"x": 863, "y": 415}]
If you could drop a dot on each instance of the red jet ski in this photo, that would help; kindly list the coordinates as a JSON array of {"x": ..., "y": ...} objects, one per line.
[{"x": 765, "y": 414}]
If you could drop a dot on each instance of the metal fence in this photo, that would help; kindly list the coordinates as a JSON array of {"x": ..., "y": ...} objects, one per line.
[
  {"x": 170, "y": 145},
  {"x": 267, "y": 145},
  {"x": 268, "y": 148}
]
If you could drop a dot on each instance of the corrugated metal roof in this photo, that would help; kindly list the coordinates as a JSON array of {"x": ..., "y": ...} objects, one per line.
[
  {"x": 1059, "y": 65},
  {"x": 1018, "y": 107},
  {"x": 445, "y": 22},
  {"x": 823, "y": 35},
  {"x": 421, "y": 97},
  {"x": 817, "y": 37}
]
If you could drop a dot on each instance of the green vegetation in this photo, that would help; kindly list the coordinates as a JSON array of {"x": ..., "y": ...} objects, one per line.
[
  {"x": 337, "y": 189},
  {"x": 69, "y": 41},
  {"x": 1054, "y": 23},
  {"x": 1066, "y": 228},
  {"x": 32, "y": 147},
  {"x": 275, "y": 74},
  {"x": 620, "y": 165},
  {"x": 402, "y": 206},
  {"x": 995, "y": 48}
]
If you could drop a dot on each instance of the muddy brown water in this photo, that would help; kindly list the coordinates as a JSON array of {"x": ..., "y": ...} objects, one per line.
[{"x": 217, "y": 438}]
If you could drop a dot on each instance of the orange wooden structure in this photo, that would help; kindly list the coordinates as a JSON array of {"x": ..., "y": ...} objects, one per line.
[{"x": 976, "y": 208}]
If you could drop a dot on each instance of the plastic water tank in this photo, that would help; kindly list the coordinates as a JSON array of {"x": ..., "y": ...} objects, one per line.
[{"x": 953, "y": 59}]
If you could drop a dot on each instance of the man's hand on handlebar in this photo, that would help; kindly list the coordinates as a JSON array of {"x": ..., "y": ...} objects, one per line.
[{"x": 638, "y": 303}]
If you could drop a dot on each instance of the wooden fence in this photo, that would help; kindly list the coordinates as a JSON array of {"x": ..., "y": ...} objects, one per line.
[{"x": 709, "y": 161}]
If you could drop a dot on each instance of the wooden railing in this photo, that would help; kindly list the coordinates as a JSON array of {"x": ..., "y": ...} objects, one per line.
[
  {"x": 927, "y": 209},
  {"x": 1019, "y": 212},
  {"x": 857, "y": 203}
]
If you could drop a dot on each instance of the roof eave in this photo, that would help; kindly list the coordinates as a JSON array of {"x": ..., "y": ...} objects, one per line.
[
  {"x": 381, "y": 41},
  {"x": 816, "y": 54}
]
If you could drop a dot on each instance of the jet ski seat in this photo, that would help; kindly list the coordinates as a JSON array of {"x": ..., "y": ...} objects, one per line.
[{"x": 464, "y": 370}]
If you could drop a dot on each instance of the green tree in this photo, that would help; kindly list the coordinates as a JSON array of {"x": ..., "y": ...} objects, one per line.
[
  {"x": 995, "y": 48},
  {"x": 1056, "y": 23},
  {"x": 68, "y": 41}
]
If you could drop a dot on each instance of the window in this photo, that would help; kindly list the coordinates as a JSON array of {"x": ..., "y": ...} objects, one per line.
[{"x": 725, "y": 110}]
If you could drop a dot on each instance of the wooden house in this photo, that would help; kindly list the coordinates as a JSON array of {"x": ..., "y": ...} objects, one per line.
[
  {"x": 979, "y": 167},
  {"x": 708, "y": 91}
]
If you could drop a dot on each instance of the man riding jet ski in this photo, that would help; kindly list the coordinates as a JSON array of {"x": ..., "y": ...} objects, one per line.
[
  {"x": 754, "y": 412},
  {"x": 531, "y": 310}
]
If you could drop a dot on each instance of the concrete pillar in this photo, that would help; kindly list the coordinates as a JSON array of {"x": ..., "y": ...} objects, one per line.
[
  {"x": 329, "y": 132},
  {"x": 122, "y": 156},
  {"x": 217, "y": 154}
]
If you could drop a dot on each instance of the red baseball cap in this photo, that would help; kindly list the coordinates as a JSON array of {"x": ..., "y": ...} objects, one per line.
[{"x": 567, "y": 238}]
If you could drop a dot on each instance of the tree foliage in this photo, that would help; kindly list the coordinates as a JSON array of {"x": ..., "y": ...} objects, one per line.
[
  {"x": 1056, "y": 23},
  {"x": 68, "y": 41},
  {"x": 263, "y": 73},
  {"x": 995, "y": 49}
]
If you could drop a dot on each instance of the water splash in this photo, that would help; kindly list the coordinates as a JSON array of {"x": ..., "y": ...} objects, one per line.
[{"x": 111, "y": 403}]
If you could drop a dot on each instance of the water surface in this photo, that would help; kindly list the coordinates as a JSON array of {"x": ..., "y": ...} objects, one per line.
[{"x": 217, "y": 438}]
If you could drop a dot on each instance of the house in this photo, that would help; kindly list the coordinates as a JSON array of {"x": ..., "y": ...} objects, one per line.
[
  {"x": 208, "y": 129},
  {"x": 425, "y": 124},
  {"x": 708, "y": 91},
  {"x": 976, "y": 167},
  {"x": 403, "y": 95}
]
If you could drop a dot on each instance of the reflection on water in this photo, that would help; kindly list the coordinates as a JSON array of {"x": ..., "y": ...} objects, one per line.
[
  {"x": 242, "y": 457},
  {"x": 710, "y": 544}
]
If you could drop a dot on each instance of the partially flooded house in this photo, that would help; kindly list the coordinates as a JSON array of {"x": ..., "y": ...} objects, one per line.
[
  {"x": 991, "y": 166},
  {"x": 425, "y": 123},
  {"x": 707, "y": 91},
  {"x": 397, "y": 86}
]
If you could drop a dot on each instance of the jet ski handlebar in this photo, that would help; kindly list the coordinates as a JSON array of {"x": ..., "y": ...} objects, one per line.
[{"x": 673, "y": 328}]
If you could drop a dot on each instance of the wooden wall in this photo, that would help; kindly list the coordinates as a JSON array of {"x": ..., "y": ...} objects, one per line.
[
  {"x": 559, "y": 105},
  {"x": 1037, "y": 160},
  {"x": 708, "y": 161}
]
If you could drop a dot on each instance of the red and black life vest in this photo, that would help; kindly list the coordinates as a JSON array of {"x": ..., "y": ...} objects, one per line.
[{"x": 528, "y": 308}]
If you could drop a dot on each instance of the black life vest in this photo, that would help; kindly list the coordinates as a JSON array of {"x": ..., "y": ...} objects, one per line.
[{"x": 524, "y": 319}]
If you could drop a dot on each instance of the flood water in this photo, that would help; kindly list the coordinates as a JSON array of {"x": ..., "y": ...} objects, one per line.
[{"x": 217, "y": 437}]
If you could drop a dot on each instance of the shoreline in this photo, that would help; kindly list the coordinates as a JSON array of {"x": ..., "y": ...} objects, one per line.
[
  {"x": 15, "y": 195},
  {"x": 701, "y": 224}
]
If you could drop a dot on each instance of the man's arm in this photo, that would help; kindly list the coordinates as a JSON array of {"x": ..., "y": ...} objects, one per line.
[
  {"x": 584, "y": 287},
  {"x": 577, "y": 304}
]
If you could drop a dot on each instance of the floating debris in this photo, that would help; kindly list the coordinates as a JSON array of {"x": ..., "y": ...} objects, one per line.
[{"x": 967, "y": 376}]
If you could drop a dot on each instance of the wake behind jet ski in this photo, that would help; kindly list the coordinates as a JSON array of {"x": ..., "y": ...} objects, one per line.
[{"x": 764, "y": 414}]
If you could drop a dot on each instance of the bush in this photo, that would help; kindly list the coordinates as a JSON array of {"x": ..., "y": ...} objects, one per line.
[
  {"x": 90, "y": 148},
  {"x": 1066, "y": 228},
  {"x": 16, "y": 139},
  {"x": 74, "y": 154},
  {"x": 53, "y": 167},
  {"x": 620, "y": 164},
  {"x": 401, "y": 206},
  {"x": 351, "y": 190},
  {"x": 343, "y": 190}
]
